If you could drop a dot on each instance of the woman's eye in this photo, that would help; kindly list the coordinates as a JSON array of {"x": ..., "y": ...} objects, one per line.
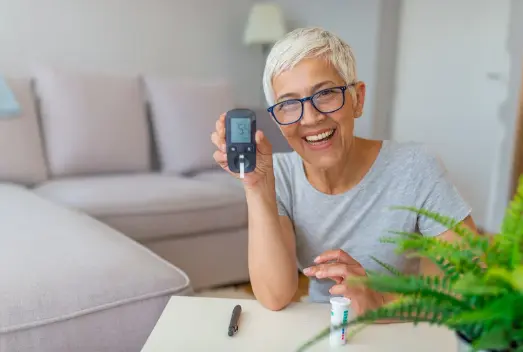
[
  {"x": 326, "y": 92},
  {"x": 282, "y": 105},
  {"x": 288, "y": 105}
]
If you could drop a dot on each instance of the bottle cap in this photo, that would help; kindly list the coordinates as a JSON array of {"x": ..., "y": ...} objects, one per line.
[{"x": 340, "y": 301}]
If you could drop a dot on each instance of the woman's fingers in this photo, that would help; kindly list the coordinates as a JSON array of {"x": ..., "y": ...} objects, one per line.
[
  {"x": 340, "y": 290},
  {"x": 218, "y": 136},
  {"x": 220, "y": 158},
  {"x": 217, "y": 141},
  {"x": 314, "y": 271},
  {"x": 329, "y": 270},
  {"x": 263, "y": 145},
  {"x": 336, "y": 255},
  {"x": 337, "y": 279},
  {"x": 220, "y": 127}
]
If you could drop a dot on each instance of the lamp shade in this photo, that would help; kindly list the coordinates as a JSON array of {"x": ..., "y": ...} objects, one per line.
[{"x": 265, "y": 25}]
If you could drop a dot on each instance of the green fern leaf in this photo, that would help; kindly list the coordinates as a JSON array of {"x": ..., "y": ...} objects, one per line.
[
  {"x": 472, "y": 285},
  {"x": 492, "y": 340},
  {"x": 499, "y": 310},
  {"x": 477, "y": 245},
  {"x": 461, "y": 258},
  {"x": 408, "y": 310},
  {"x": 448, "y": 222},
  {"x": 508, "y": 244},
  {"x": 498, "y": 274},
  {"x": 431, "y": 287},
  {"x": 449, "y": 271},
  {"x": 517, "y": 336},
  {"x": 387, "y": 267},
  {"x": 517, "y": 278}
]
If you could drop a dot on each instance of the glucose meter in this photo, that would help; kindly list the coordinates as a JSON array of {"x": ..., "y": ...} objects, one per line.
[{"x": 240, "y": 131}]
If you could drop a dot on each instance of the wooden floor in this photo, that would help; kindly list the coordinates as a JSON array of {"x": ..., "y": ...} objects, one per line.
[{"x": 303, "y": 288}]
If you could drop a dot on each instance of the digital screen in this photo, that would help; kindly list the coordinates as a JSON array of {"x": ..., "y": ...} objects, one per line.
[{"x": 241, "y": 130}]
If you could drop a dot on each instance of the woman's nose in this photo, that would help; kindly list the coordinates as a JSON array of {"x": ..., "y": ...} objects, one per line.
[{"x": 311, "y": 116}]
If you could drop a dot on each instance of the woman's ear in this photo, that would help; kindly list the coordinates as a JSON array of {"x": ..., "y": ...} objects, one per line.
[{"x": 360, "y": 99}]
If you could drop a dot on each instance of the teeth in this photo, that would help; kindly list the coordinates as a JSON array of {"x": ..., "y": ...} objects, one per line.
[{"x": 320, "y": 136}]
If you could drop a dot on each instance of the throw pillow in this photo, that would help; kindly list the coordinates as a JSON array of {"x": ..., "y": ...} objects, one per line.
[
  {"x": 183, "y": 117},
  {"x": 93, "y": 123}
]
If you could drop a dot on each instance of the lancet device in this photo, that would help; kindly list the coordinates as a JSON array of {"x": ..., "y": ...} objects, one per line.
[{"x": 240, "y": 131}]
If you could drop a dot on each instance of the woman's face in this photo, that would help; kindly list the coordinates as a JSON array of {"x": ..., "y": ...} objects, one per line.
[{"x": 321, "y": 139}]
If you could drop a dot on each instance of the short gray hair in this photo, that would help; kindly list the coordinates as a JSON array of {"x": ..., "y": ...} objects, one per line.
[{"x": 305, "y": 43}]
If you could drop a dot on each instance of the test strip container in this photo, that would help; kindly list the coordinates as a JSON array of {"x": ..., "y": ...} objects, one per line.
[{"x": 340, "y": 307}]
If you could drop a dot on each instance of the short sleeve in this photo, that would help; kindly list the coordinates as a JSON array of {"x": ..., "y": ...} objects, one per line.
[
  {"x": 282, "y": 211},
  {"x": 441, "y": 196},
  {"x": 282, "y": 174}
]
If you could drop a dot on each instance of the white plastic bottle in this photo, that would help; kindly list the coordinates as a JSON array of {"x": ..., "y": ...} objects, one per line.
[{"x": 340, "y": 307}]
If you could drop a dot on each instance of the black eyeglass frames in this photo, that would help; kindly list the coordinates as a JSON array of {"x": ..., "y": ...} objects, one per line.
[{"x": 326, "y": 101}]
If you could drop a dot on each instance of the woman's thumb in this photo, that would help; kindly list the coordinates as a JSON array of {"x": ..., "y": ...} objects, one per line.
[{"x": 263, "y": 145}]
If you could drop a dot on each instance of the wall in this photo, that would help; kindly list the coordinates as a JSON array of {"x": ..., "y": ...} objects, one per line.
[
  {"x": 179, "y": 38},
  {"x": 500, "y": 191},
  {"x": 385, "y": 83},
  {"x": 197, "y": 38},
  {"x": 454, "y": 72}
]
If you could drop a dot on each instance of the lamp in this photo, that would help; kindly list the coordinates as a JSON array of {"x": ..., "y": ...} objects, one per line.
[
  {"x": 8, "y": 104},
  {"x": 265, "y": 25}
]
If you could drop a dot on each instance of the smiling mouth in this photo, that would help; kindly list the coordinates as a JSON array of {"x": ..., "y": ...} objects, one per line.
[{"x": 320, "y": 138}]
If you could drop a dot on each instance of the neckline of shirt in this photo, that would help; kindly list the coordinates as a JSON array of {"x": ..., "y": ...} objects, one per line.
[{"x": 380, "y": 159}]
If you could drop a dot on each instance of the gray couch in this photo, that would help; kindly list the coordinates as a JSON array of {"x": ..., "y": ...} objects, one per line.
[
  {"x": 110, "y": 202},
  {"x": 71, "y": 283}
]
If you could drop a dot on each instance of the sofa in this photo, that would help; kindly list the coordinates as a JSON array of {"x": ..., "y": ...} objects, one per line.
[{"x": 111, "y": 202}]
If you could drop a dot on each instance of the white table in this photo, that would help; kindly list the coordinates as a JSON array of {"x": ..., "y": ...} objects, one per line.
[{"x": 201, "y": 324}]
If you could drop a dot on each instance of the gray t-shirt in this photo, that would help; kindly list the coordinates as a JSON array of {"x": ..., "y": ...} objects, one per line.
[{"x": 403, "y": 174}]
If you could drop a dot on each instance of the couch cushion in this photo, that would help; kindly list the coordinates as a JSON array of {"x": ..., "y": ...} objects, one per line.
[
  {"x": 152, "y": 206},
  {"x": 184, "y": 115},
  {"x": 21, "y": 150},
  {"x": 71, "y": 283},
  {"x": 93, "y": 123},
  {"x": 218, "y": 177}
]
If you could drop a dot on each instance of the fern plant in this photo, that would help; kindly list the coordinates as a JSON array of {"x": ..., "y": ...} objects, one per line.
[{"x": 479, "y": 295}]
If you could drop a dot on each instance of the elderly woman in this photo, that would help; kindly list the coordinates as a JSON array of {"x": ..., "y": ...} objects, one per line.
[{"x": 323, "y": 208}]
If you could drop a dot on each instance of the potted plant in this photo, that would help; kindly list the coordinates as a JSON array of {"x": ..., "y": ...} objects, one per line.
[{"x": 479, "y": 295}]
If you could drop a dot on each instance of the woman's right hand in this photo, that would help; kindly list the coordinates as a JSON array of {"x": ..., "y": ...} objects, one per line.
[{"x": 263, "y": 155}]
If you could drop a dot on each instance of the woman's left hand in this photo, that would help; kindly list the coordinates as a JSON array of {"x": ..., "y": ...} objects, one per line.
[{"x": 338, "y": 265}]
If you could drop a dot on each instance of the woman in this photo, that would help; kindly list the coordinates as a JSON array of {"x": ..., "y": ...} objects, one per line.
[{"x": 324, "y": 207}]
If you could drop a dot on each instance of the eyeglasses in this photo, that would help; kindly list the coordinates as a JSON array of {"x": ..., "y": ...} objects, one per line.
[{"x": 325, "y": 101}]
